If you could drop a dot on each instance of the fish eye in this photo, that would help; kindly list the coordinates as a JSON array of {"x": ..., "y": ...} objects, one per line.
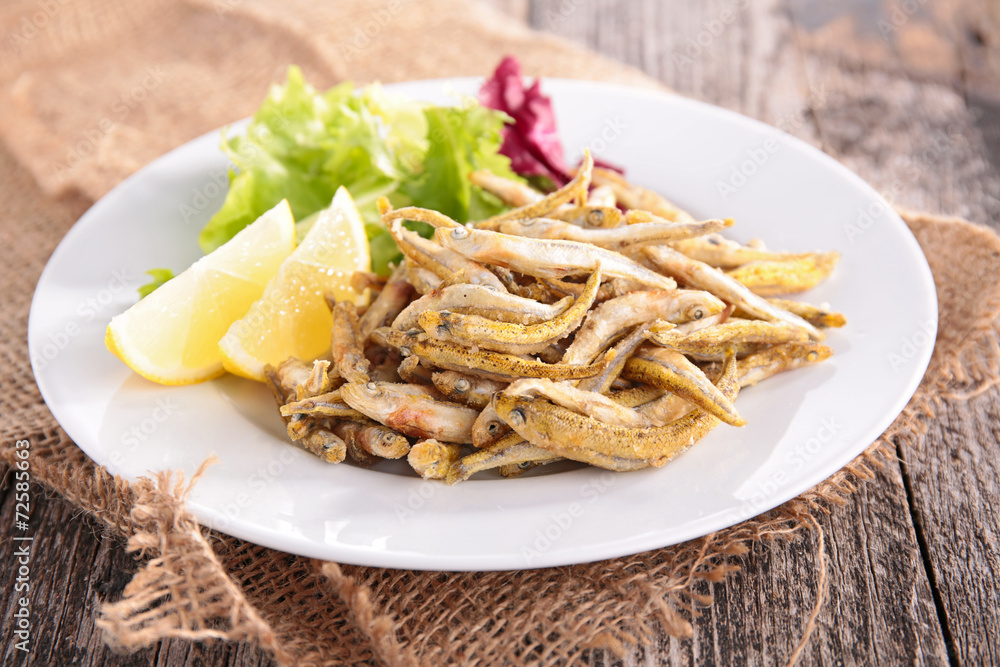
[
  {"x": 595, "y": 217},
  {"x": 524, "y": 465},
  {"x": 459, "y": 233},
  {"x": 517, "y": 416},
  {"x": 698, "y": 314},
  {"x": 812, "y": 356},
  {"x": 492, "y": 428},
  {"x": 372, "y": 388},
  {"x": 462, "y": 385}
]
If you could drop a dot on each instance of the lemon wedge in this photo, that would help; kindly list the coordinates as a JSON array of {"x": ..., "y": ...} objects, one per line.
[
  {"x": 172, "y": 336},
  {"x": 291, "y": 318}
]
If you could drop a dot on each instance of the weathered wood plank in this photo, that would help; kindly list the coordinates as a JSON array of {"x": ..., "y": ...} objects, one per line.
[
  {"x": 950, "y": 126},
  {"x": 915, "y": 139},
  {"x": 955, "y": 490},
  {"x": 74, "y": 569},
  {"x": 880, "y": 609}
]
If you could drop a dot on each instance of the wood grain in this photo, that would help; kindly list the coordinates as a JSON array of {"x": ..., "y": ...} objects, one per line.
[
  {"x": 910, "y": 564},
  {"x": 74, "y": 569},
  {"x": 954, "y": 498},
  {"x": 914, "y": 556},
  {"x": 952, "y": 168}
]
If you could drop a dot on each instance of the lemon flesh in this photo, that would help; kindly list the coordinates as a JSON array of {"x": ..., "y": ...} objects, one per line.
[
  {"x": 172, "y": 336},
  {"x": 291, "y": 318}
]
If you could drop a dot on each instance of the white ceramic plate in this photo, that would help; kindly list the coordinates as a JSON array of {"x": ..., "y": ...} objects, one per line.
[{"x": 803, "y": 426}]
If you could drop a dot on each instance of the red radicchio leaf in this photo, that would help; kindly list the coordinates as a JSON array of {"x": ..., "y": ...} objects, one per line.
[{"x": 531, "y": 141}]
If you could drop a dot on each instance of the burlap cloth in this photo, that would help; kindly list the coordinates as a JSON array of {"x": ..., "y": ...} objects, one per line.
[{"x": 93, "y": 89}]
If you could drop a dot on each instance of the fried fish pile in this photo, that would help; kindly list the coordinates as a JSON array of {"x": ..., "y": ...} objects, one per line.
[{"x": 561, "y": 329}]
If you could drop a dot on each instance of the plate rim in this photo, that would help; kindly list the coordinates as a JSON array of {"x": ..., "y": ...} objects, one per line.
[{"x": 268, "y": 537}]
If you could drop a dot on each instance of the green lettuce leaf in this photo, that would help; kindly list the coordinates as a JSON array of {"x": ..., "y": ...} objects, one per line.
[
  {"x": 302, "y": 145},
  {"x": 159, "y": 276},
  {"x": 462, "y": 139}
]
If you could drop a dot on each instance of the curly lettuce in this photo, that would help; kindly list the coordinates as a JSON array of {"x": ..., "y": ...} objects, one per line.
[{"x": 301, "y": 145}]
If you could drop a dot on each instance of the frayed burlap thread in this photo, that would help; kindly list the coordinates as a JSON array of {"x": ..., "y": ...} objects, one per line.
[
  {"x": 197, "y": 584},
  {"x": 324, "y": 614},
  {"x": 399, "y": 617},
  {"x": 183, "y": 590}
]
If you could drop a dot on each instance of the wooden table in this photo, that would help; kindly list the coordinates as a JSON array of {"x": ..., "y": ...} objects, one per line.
[{"x": 908, "y": 96}]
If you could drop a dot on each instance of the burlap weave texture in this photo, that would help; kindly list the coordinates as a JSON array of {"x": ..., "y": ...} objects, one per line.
[{"x": 108, "y": 86}]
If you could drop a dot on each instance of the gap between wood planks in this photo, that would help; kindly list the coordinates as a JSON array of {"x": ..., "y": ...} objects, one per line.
[
  {"x": 918, "y": 528},
  {"x": 972, "y": 80},
  {"x": 988, "y": 111},
  {"x": 925, "y": 555},
  {"x": 878, "y": 79}
]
